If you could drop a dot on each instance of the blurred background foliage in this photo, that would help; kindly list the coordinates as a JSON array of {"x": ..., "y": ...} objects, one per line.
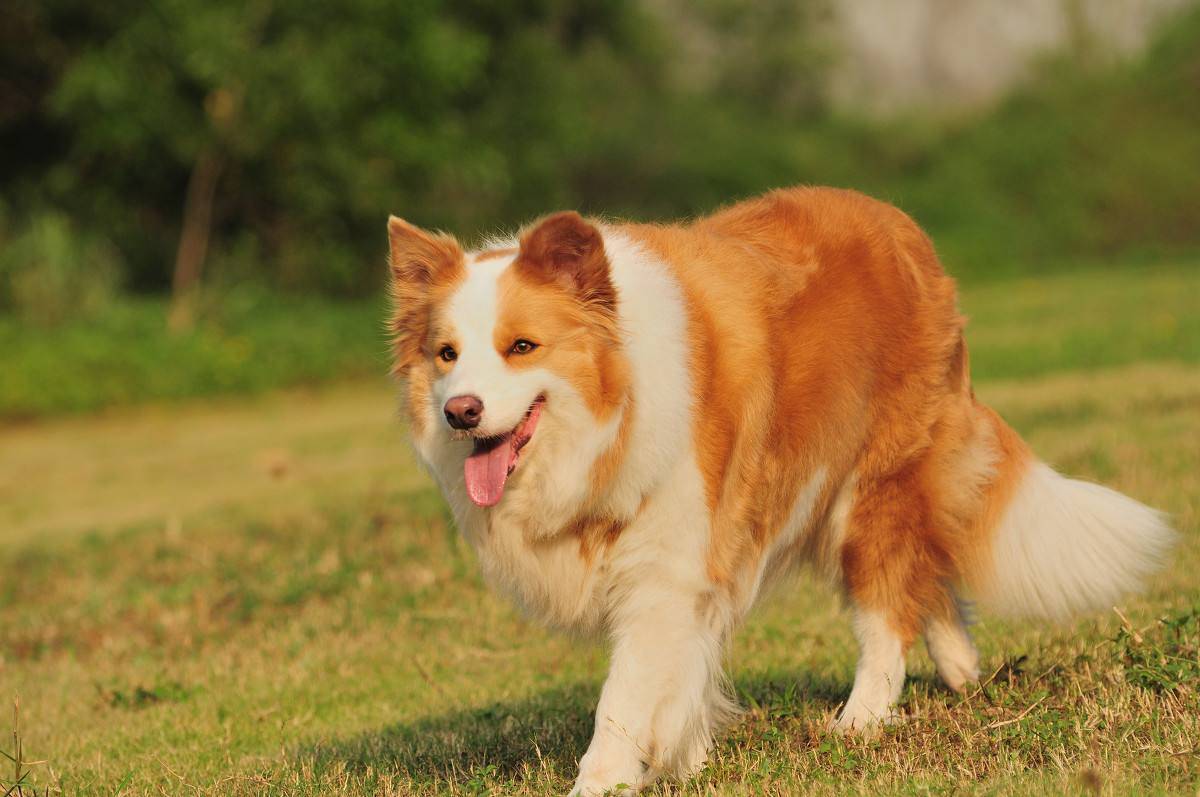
[{"x": 245, "y": 153}]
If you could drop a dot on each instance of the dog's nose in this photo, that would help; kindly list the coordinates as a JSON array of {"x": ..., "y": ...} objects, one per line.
[{"x": 463, "y": 412}]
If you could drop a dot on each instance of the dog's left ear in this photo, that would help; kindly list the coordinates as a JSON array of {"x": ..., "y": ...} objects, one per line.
[
  {"x": 419, "y": 260},
  {"x": 568, "y": 250}
]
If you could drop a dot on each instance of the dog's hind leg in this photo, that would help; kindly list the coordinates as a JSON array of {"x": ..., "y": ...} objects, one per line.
[
  {"x": 950, "y": 647},
  {"x": 896, "y": 563},
  {"x": 879, "y": 676}
]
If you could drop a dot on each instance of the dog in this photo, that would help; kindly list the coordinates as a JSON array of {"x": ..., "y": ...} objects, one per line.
[{"x": 639, "y": 427}]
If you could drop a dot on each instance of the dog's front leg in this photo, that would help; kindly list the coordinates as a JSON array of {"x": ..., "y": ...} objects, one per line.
[{"x": 663, "y": 698}]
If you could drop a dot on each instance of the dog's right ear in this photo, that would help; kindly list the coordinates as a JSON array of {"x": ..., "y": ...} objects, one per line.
[
  {"x": 417, "y": 256},
  {"x": 419, "y": 260}
]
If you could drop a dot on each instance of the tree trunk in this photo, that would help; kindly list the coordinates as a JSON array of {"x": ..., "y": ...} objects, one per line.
[{"x": 193, "y": 239}]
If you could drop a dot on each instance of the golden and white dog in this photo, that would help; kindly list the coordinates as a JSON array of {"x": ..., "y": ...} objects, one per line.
[{"x": 638, "y": 427}]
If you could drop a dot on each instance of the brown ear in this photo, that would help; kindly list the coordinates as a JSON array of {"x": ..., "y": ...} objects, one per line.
[
  {"x": 419, "y": 261},
  {"x": 416, "y": 255},
  {"x": 564, "y": 248}
]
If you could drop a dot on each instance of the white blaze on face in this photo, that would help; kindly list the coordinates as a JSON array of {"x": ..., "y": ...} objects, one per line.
[
  {"x": 480, "y": 369},
  {"x": 510, "y": 408}
]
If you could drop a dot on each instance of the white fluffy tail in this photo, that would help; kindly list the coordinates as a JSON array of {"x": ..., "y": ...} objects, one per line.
[{"x": 1064, "y": 546}]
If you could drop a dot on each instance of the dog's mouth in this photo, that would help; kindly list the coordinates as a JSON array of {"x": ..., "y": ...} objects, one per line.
[{"x": 495, "y": 458}]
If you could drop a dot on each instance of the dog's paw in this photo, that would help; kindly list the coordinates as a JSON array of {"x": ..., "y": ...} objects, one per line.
[
  {"x": 958, "y": 674},
  {"x": 598, "y": 788},
  {"x": 691, "y": 764},
  {"x": 613, "y": 772},
  {"x": 955, "y": 657},
  {"x": 857, "y": 719}
]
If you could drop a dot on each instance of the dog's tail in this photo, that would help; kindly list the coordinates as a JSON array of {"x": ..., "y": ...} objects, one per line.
[{"x": 1058, "y": 545}]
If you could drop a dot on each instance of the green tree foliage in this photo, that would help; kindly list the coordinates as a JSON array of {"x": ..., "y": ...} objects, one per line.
[
  {"x": 281, "y": 132},
  {"x": 319, "y": 118}
]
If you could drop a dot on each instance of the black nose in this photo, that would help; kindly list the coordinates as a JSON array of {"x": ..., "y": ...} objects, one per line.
[{"x": 463, "y": 412}]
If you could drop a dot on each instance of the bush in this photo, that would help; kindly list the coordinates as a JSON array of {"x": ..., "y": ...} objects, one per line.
[{"x": 50, "y": 271}]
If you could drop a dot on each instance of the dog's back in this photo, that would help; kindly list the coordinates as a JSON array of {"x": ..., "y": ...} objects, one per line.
[{"x": 836, "y": 422}]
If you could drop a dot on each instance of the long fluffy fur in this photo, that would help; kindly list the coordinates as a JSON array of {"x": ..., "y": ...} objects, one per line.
[
  {"x": 784, "y": 381},
  {"x": 1065, "y": 546}
]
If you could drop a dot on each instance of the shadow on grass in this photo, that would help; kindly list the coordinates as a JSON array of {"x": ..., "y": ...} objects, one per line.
[{"x": 509, "y": 742}]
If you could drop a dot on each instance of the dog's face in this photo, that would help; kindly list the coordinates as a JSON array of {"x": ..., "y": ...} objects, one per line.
[{"x": 505, "y": 349}]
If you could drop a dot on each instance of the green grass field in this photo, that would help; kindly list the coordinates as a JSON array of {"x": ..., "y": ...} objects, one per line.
[
  {"x": 248, "y": 596},
  {"x": 245, "y": 342}
]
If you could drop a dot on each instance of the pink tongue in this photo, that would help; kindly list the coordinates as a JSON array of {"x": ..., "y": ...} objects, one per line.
[{"x": 487, "y": 470}]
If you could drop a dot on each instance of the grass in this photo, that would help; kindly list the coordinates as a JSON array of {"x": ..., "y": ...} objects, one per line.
[
  {"x": 21, "y": 767},
  {"x": 263, "y": 596},
  {"x": 245, "y": 342}
]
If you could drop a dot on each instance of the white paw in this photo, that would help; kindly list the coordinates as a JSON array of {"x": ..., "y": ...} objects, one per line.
[
  {"x": 691, "y": 764},
  {"x": 597, "y": 788},
  {"x": 957, "y": 673},
  {"x": 609, "y": 773},
  {"x": 950, "y": 648},
  {"x": 956, "y": 660},
  {"x": 859, "y": 719}
]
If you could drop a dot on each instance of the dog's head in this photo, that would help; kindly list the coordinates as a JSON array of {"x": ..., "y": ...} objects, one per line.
[{"x": 505, "y": 348}]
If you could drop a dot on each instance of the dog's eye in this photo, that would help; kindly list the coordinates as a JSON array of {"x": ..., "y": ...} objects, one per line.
[
  {"x": 523, "y": 346},
  {"x": 448, "y": 354}
]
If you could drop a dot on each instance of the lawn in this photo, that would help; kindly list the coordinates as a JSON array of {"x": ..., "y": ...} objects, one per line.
[
  {"x": 244, "y": 596},
  {"x": 245, "y": 341}
]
